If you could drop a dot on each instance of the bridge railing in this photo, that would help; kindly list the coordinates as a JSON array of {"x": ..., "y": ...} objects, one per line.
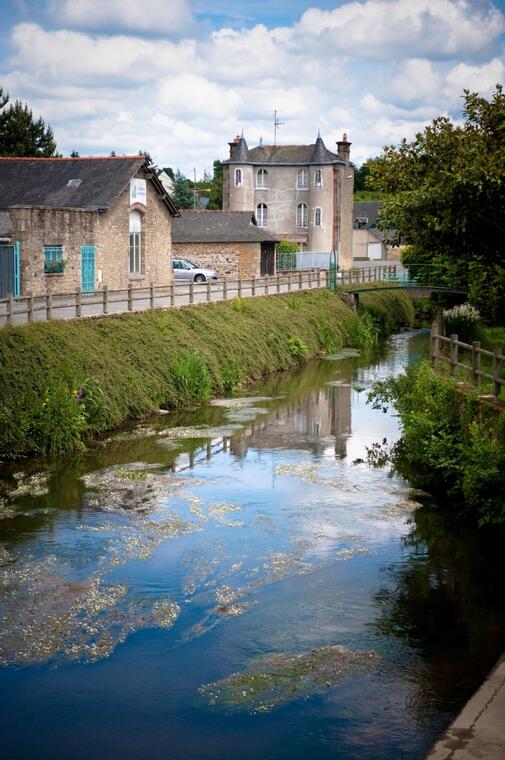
[{"x": 448, "y": 350}]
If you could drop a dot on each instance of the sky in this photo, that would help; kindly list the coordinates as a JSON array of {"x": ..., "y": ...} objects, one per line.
[{"x": 180, "y": 78}]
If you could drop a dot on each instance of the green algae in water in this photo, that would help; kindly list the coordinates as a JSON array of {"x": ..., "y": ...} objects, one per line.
[
  {"x": 346, "y": 353},
  {"x": 275, "y": 679}
]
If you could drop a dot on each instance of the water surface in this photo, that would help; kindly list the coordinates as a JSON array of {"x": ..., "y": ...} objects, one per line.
[{"x": 235, "y": 581}]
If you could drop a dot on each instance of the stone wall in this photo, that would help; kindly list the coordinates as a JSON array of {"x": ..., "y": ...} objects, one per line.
[
  {"x": 35, "y": 228},
  {"x": 230, "y": 260}
]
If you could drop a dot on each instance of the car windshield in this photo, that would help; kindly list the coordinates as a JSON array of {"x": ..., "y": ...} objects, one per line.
[{"x": 189, "y": 264}]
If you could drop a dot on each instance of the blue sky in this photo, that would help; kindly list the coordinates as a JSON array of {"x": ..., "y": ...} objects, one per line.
[{"x": 181, "y": 77}]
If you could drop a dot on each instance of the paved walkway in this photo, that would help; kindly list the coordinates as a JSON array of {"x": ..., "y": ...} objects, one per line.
[{"x": 478, "y": 733}]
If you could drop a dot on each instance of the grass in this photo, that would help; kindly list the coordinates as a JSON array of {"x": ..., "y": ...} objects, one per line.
[{"x": 61, "y": 382}]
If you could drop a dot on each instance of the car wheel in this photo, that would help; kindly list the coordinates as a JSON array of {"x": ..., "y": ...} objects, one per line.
[{"x": 199, "y": 278}]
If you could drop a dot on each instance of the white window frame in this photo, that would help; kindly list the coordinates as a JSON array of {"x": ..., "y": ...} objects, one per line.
[
  {"x": 302, "y": 216},
  {"x": 262, "y": 214},
  {"x": 135, "y": 243},
  {"x": 238, "y": 178},
  {"x": 261, "y": 179},
  {"x": 302, "y": 179},
  {"x": 318, "y": 173},
  {"x": 320, "y": 223}
]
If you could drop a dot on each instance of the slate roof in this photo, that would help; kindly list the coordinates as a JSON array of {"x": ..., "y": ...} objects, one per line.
[
  {"x": 288, "y": 155},
  {"x": 201, "y": 226},
  {"x": 368, "y": 210},
  {"x": 43, "y": 182}
]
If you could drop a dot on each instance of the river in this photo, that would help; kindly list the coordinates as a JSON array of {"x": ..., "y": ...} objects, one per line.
[{"x": 237, "y": 582}]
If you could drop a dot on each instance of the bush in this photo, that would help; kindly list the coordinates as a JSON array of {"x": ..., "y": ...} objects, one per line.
[
  {"x": 451, "y": 443},
  {"x": 297, "y": 348},
  {"x": 464, "y": 321}
]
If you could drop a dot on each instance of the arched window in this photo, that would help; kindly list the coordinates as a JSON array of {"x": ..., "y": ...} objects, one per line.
[
  {"x": 302, "y": 180},
  {"x": 302, "y": 215},
  {"x": 262, "y": 179},
  {"x": 318, "y": 216},
  {"x": 135, "y": 228},
  {"x": 261, "y": 214},
  {"x": 318, "y": 178},
  {"x": 238, "y": 177}
]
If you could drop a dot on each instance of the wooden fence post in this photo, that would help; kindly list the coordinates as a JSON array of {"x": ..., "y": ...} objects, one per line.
[
  {"x": 239, "y": 288},
  {"x": 225, "y": 289},
  {"x": 10, "y": 309},
  {"x": 300, "y": 280},
  {"x": 192, "y": 291},
  {"x": 278, "y": 283},
  {"x": 266, "y": 284},
  {"x": 78, "y": 303},
  {"x": 172, "y": 294},
  {"x": 318, "y": 278},
  {"x": 289, "y": 281},
  {"x": 29, "y": 307},
  {"x": 49, "y": 306},
  {"x": 476, "y": 363},
  {"x": 434, "y": 344},
  {"x": 497, "y": 366},
  {"x": 105, "y": 296},
  {"x": 453, "y": 354},
  {"x": 152, "y": 294},
  {"x": 253, "y": 286},
  {"x": 130, "y": 298},
  {"x": 208, "y": 290}
]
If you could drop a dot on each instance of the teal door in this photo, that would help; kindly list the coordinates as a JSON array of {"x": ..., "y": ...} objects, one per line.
[{"x": 88, "y": 267}]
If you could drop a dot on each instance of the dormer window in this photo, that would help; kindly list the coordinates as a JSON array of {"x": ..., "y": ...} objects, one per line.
[
  {"x": 261, "y": 179},
  {"x": 238, "y": 177},
  {"x": 302, "y": 180},
  {"x": 318, "y": 178}
]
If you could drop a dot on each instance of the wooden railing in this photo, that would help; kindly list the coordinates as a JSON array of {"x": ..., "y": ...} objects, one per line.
[
  {"x": 81, "y": 304},
  {"x": 452, "y": 357}
]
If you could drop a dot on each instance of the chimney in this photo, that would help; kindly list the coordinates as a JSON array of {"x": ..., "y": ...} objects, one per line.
[
  {"x": 344, "y": 149},
  {"x": 233, "y": 144}
]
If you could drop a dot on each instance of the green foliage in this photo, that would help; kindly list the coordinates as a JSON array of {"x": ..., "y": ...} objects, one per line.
[
  {"x": 216, "y": 193},
  {"x": 295, "y": 301},
  {"x": 239, "y": 305},
  {"x": 191, "y": 378},
  {"x": 447, "y": 199},
  {"x": 21, "y": 134},
  {"x": 464, "y": 321},
  {"x": 361, "y": 332},
  {"x": 285, "y": 253},
  {"x": 297, "y": 348},
  {"x": 98, "y": 373},
  {"x": 451, "y": 443},
  {"x": 182, "y": 195}
]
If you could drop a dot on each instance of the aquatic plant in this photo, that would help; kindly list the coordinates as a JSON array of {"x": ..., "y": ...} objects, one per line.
[{"x": 464, "y": 321}]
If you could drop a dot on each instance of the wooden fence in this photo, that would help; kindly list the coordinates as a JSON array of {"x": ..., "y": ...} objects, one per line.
[
  {"x": 81, "y": 304},
  {"x": 452, "y": 357}
]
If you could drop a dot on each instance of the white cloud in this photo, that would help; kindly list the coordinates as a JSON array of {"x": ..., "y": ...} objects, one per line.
[
  {"x": 396, "y": 28},
  {"x": 183, "y": 98},
  {"x": 158, "y": 16}
]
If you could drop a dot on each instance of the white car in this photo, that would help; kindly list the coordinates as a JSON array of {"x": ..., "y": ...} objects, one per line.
[{"x": 186, "y": 270}]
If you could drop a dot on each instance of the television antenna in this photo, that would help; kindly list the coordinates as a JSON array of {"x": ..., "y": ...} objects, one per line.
[{"x": 277, "y": 124}]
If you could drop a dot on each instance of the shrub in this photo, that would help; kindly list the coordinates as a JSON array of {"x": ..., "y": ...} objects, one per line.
[
  {"x": 464, "y": 321},
  {"x": 297, "y": 348}
]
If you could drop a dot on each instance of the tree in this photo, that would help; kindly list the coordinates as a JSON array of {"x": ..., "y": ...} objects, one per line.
[
  {"x": 182, "y": 195},
  {"x": 446, "y": 199},
  {"x": 74, "y": 154},
  {"x": 362, "y": 189},
  {"x": 22, "y": 135},
  {"x": 216, "y": 193},
  {"x": 147, "y": 157}
]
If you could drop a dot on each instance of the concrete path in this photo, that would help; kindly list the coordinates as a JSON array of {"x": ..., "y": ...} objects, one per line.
[{"x": 478, "y": 733}]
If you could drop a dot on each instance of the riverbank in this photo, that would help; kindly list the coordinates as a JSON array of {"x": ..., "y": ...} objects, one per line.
[{"x": 63, "y": 382}]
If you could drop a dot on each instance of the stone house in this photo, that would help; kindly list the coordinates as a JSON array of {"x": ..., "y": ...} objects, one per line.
[
  {"x": 300, "y": 193},
  {"x": 368, "y": 241},
  {"x": 228, "y": 241},
  {"x": 82, "y": 223}
]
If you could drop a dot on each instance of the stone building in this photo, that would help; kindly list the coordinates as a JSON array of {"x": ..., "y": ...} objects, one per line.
[
  {"x": 369, "y": 243},
  {"x": 82, "y": 223},
  {"x": 301, "y": 193},
  {"x": 228, "y": 241}
]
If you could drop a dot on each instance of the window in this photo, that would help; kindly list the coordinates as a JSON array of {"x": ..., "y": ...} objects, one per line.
[
  {"x": 135, "y": 259},
  {"x": 360, "y": 223},
  {"x": 302, "y": 180},
  {"x": 318, "y": 178},
  {"x": 302, "y": 215},
  {"x": 53, "y": 259},
  {"x": 262, "y": 179},
  {"x": 238, "y": 177},
  {"x": 318, "y": 216},
  {"x": 261, "y": 214}
]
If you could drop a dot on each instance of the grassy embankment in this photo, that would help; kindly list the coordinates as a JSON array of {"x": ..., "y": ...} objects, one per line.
[{"x": 61, "y": 382}]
